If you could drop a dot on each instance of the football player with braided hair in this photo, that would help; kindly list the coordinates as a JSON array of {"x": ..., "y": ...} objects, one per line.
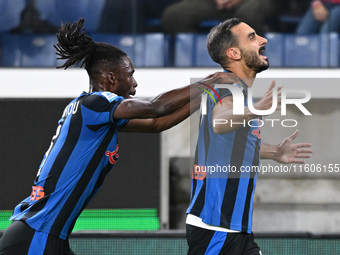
[{"x": 85, "y": 146}]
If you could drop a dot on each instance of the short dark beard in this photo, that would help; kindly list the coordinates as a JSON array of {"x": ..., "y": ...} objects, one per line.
[{"x": 253, "y": 61}]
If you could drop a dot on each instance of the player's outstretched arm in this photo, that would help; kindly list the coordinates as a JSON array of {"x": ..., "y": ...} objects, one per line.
[
  {"x": 167, "y": 102},
  {"x": 157, "y": 125},
  {"x": 287, "y": 152}
]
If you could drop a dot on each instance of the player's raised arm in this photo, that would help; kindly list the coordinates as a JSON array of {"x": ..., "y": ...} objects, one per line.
[
  {"x": 168, "y": 102},
  {"x": 156, "y": 125}
]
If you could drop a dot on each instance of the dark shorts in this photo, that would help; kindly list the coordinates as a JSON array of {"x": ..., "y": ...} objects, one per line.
[
  {"x": 209, "y": 242},
  {"x": 20, "y": 239}
]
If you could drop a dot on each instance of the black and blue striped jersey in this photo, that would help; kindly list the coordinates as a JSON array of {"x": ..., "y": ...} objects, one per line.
[
  {"x": 82, "y": 152},
  {"x": 224, "y": 176}
]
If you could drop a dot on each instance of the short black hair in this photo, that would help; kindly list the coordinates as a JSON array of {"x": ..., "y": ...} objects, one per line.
[
  {"x": 220, "y": 39},
  {"x": 75, "y": 46}
]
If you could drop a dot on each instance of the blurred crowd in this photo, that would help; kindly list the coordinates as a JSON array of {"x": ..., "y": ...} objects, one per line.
[{"x": 198, "y": 16}]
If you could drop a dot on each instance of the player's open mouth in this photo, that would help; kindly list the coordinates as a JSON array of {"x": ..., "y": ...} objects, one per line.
[{"x": 261, "y": 52}]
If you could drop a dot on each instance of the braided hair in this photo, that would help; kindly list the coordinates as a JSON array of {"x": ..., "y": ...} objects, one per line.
[{"x": 75, "y": 46}]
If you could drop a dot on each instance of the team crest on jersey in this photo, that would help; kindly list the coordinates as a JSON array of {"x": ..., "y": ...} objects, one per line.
[{"x": 113, "y": 156}]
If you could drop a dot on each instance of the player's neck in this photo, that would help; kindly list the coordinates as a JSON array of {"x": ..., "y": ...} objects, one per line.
[{"x": 244, "y": 73}]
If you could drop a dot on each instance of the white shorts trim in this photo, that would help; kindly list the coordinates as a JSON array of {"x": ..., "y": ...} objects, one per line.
[{"x": 197, "y": 222}]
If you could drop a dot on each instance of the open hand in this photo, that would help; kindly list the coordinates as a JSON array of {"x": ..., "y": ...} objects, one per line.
[
  {"x": 268, "y": 100},
  {"x": 287, "y": 152}
]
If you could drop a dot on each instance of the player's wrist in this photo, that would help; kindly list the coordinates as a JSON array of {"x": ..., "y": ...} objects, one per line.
[
  {"x": 248, "y": 115},
  {"x": 269, "y": 152}
]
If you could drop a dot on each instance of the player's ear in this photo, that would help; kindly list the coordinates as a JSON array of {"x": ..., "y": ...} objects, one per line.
[
  {"x": 234, "y": 53},
  {"x": 111, "y": 76}
]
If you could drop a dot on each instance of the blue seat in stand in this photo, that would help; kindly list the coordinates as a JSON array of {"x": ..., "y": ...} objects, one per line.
[
  {"x": 275, "y": 49},
  {"x": 28, "y": 51},
  {"x": 317, "y": 50},
  {"x": 152, "y": 50},
  {"x": 191, "y": 51},
  {"x": 330, "y": 50},
  {"x": 145, "y": 50}
]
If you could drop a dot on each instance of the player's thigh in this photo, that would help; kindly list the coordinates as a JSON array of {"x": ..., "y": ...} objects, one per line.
[
  {"x": 198, "y": 239},
  {"x": 208, "y": 242},
  {"x": 20, "y": 239},
  {"x": 45, "y": 244},
  {"x": 251, "y": 247},
  {"x": 239, "y": 244},
  {"x": 56, "y": 246},
  {"x": 16, "y": 239}
]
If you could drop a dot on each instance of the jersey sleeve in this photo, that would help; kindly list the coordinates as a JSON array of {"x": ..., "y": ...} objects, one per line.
[
  {"x": 101, "y": 106},
  {"x": 222, "y": 93}
]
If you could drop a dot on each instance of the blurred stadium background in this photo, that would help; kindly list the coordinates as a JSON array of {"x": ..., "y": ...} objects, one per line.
[{"x": 141, "y": 206}]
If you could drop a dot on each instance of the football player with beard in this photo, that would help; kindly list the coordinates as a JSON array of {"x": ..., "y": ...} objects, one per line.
[{"x": 219, "y": 217}]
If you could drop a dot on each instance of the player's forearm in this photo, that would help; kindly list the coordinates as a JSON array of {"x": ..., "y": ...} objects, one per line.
[
  {"x": 268, "y": 151},
  {"x": 167, "y": 102},
  {"x": 162, "y": 105},
  {"x": 170, "y": 101},
  {"x": 157, "y": 125},
  {"x": 178, "y": 116}
]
